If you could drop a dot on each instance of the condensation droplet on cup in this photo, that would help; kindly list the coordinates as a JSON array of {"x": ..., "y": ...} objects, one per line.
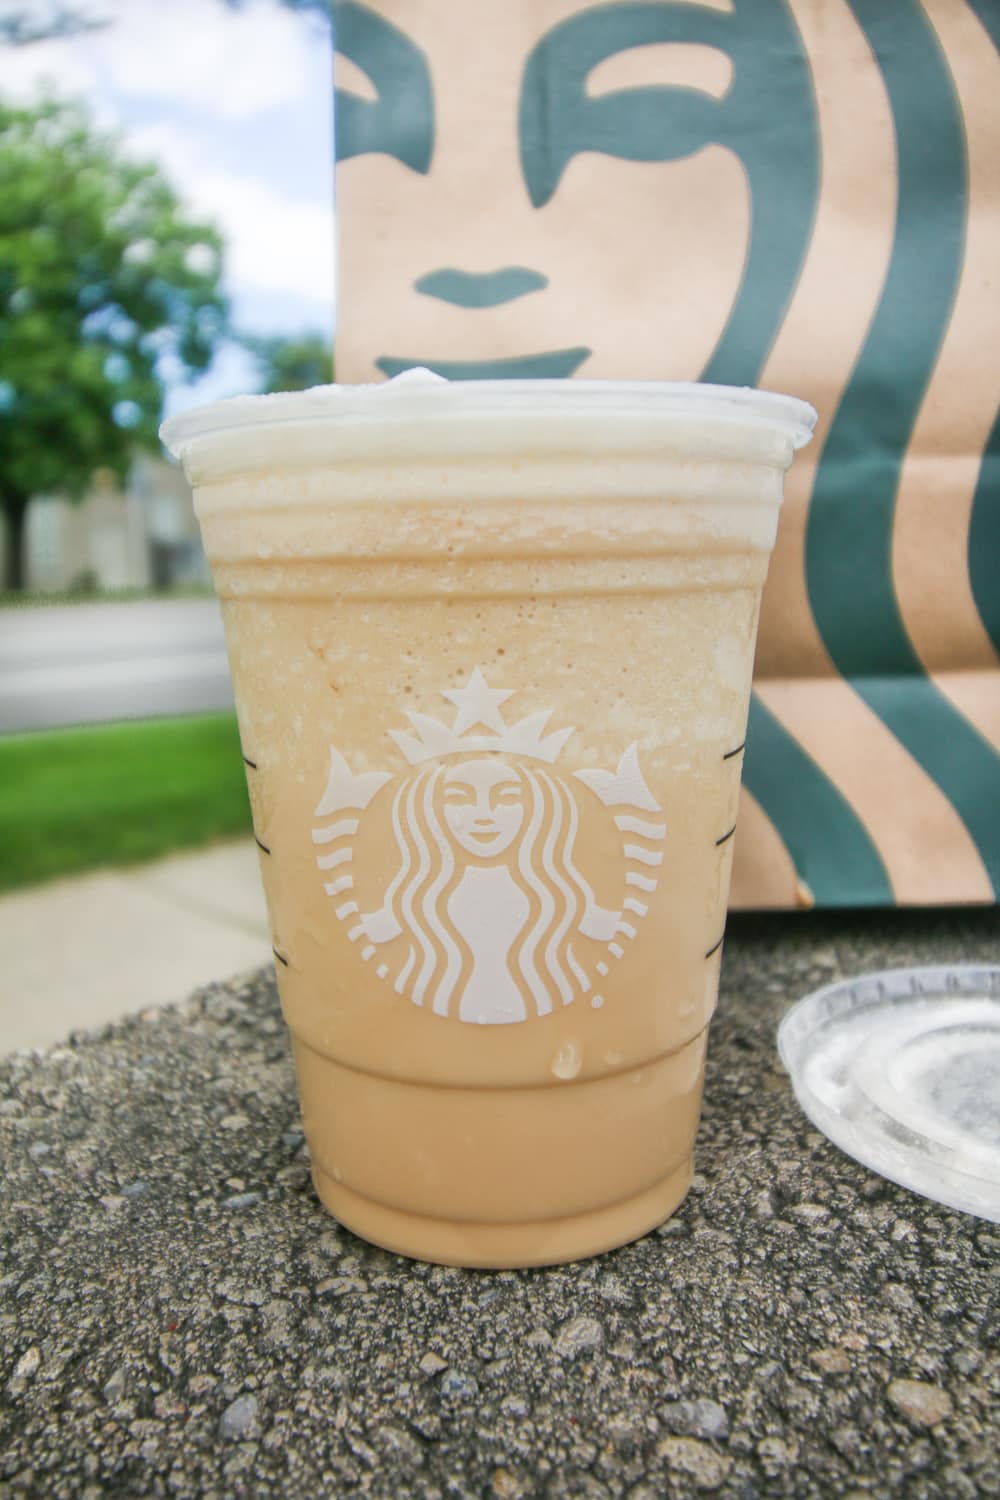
[
  {"x": 614, "y": 1059},
  {"x": 567, "y": 1061}
]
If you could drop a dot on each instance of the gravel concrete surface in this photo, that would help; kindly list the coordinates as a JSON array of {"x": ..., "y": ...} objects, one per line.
[{"x": 179, "y": 1317}]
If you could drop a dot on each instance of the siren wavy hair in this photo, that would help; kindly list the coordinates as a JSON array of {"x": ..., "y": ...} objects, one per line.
[{"x": 540, "y": 863}]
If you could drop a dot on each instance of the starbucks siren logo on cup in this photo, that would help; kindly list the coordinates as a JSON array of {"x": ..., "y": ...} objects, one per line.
[{"x": 491, "y": 915}]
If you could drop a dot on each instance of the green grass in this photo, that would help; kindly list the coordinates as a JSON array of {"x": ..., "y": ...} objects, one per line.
[
  {"x": 78, "y": 799},
  {"x": 16, "y": 599}
]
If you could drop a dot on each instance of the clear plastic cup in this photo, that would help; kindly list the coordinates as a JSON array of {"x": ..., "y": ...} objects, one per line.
[{"x": 491, "y": 645}]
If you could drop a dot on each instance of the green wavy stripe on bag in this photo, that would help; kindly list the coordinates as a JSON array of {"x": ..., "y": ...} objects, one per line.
[
  {"x": 984, "y": 524},
  {"x": 988, "y": 13},
  {"x": 984, "y": 538},
  {"x": 827, "y": 842},
  {"x": 849, "y": 535}
]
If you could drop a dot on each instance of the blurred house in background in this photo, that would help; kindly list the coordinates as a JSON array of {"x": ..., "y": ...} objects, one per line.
[{"x": 141, "y": 536}]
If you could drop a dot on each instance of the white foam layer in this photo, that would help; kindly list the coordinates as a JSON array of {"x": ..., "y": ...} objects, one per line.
[{"x": 419, "y": 417}]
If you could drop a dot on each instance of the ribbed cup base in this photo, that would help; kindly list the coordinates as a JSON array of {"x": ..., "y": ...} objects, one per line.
[{"x": 542, "y": 1242}]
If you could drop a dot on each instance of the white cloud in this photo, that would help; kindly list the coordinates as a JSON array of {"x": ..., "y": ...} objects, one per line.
[
  {"x": 275, "y": 244},
  {"x": 206, "y": 56},
  {"x": 44, "y": 67},
  {"x": 198, "y": 54}
]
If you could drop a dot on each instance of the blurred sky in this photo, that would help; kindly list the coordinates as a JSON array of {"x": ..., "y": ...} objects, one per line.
[{"x": 236, "y": 105}]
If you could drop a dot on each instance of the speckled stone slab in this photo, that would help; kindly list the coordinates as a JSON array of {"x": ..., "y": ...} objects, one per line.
[{"x": 179, "y": 1317}]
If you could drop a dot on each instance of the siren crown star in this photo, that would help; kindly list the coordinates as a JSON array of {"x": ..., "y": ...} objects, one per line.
[{"x": 477, "y": 703}]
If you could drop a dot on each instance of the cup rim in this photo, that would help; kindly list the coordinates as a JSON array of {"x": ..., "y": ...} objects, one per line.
[{"x": 422, "y": 397}]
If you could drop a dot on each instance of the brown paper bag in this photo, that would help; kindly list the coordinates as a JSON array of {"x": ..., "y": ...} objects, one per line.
[{"x": 798, "y": 194}]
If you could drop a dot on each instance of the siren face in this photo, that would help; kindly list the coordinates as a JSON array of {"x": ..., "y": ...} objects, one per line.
[{"x": 483, "y": 806}]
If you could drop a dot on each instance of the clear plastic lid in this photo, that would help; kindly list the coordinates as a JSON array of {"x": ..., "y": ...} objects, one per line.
[
  {"x": 418, "y": 414},
  {"x": 902, "y": 1071},
  {"x": 421, "y": 393}
]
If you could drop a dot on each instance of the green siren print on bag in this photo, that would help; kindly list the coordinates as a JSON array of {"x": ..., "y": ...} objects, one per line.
[{"x": 801, "y": 195}]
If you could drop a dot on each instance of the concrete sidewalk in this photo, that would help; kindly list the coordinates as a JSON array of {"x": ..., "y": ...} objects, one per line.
[{"x": 80, "y": 952}]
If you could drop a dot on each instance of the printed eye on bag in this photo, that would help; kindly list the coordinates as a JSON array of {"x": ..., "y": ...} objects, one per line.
[{"x": 801, "y": 195}]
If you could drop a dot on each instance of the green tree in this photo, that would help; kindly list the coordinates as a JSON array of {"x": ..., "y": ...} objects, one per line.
[
  {"x": 291, "y": 364},
  {"x": 107, "y": 290}
]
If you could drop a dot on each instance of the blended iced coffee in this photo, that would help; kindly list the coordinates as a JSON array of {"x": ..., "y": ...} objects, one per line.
[{"x": 491, "y": 647}]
